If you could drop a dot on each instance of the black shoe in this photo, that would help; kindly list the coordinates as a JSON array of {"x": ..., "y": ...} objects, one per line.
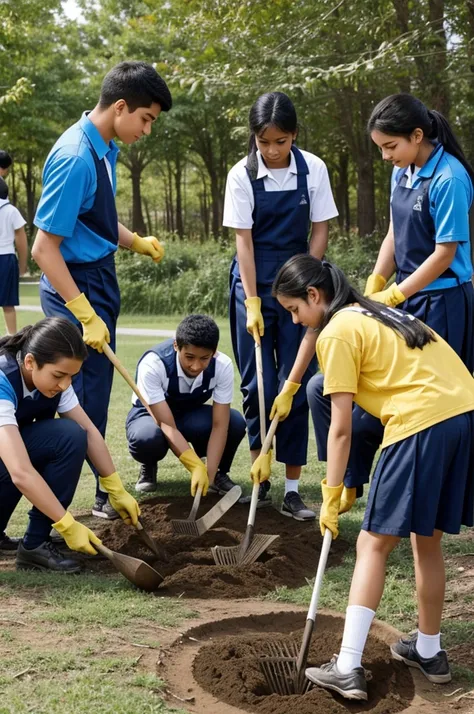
[
  {"x": 350, "y": 686},
  {"x": 45, "y": 557},
  {"x": 264, "y": 499},
  {"x": 9, "y": 544},
  {"x": 294, "y": 507},
  {"x": 103, "y": 509},
  {"x": 436, "y": 669},
  {"x": 147, "y": 479},
  {"x": 222, "y": 484}
]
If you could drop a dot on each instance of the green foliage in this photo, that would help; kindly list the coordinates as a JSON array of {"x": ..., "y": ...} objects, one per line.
[{"x": 355, "y": 255}]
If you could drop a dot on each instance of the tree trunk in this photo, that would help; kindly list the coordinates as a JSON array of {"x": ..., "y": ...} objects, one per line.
[
  {"x": 365, "y": 189},
  {"x": 138, "y": 222},
  {"x": 29, "y": 183},
  {"x": 179, "y": 195},
  {"x": 439, "y": 87},
  {"x": 342, "y": 193}
]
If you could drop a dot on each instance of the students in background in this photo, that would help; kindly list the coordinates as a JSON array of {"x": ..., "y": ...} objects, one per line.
[
  {"x": 5, "y": 163},
  {"x": 12, "y": 236}
]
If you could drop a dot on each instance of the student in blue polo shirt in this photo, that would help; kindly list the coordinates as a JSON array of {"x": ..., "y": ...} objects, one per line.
[
  {"x": 428, "y": 247},
  {"x": 177, "y": 378},
  {"x": 79, "y": 231}
]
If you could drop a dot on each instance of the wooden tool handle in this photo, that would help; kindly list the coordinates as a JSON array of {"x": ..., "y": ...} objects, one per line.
[
  {"x": 127, "y": 377},
  {"x": 261, "y": 390},
  {"x": 104, "y": 550}
]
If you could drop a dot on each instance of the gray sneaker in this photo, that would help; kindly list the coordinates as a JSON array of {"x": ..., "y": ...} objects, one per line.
[
  {"x": 222, "y": 484},
  {"x": 436, "y": 669},
  {"x": 147, "y": 479},
  {"x": 293, "y": 507},
  {"x": 349, "y": 686},
  {"x": 103, "y": 509}
]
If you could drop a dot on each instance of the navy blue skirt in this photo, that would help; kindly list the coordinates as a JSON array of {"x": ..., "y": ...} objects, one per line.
[
  {"x": 425, "y": 482},
  {"x": 9, "y": 280}
]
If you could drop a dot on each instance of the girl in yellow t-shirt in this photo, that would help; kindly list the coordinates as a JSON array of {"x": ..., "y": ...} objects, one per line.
[{"x": 399, "y": 370}]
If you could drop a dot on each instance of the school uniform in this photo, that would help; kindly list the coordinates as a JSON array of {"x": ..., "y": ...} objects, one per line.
[
  {"x": 78, "y": 204},
  {"x": 278, "y": 205},
  {"x": 160, "y": 378},
  {"x": 429, "y": 205},
  {"x": 10, "y": 221},
  {"x": 56, "y": 447},
  {"x": 425, "y": 401}
]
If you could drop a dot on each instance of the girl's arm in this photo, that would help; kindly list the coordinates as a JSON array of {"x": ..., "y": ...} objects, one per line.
[
  {"x": 21, "y": 245},
  {"x": 245, "y": 255},
  {"x": 429, "y": 270},
  {"x": 339, "y": 437},
  {"x": 306, "y": 352},
  {"x": 385, "y": 264},
  {"x": 318, "y": 242},
  {"x": 47, "y": 255},
  {"x": 97, "y": 450}
]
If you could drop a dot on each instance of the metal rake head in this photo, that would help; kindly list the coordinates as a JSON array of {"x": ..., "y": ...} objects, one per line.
[
  {"x": 279, "y": 669},
  {"x": 184, "y": 527},
  {"x": 234, "y": 555}
]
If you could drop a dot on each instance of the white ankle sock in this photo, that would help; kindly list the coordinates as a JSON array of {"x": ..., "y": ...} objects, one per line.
[
  {"x": 428, "y": 645},
  {"x": 356, "y": 629},
  {"x": 291, "y": 484}
]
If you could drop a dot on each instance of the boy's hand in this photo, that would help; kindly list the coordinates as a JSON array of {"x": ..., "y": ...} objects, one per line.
[
  {"x": 77, "y": 535},
  {"x": 197, "y": 469},
  {"x": 329, "y": 513},
  {"x": 95, "y": 331},
  {"x": 254, "y": 316},
  {"x": 149, "y": 245}
]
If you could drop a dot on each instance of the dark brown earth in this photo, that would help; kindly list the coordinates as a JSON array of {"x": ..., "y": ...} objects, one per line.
[{"x": 187, "y": 563}]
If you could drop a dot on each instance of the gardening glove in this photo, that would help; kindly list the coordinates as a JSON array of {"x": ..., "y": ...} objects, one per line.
[
  {"x": 261, "y": 468},
  {"x": 95, "y": 331},
  {"x": 284, "y": 400},
  {"x": 120, "y": 500},
  {"x": 328, "y": 515},
  {"x": 198, "y": 470},
  {"x": 254, "y": 315},
  {"x": 77, "y": 535},
  {"x": 149, "y": 245},
  {"x": 390, "y": 297},
  {"x": 348, "y": 499},
  {"x": 374, "y": 284}
]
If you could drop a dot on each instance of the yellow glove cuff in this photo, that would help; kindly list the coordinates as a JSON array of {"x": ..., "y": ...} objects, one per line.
[
  {"x": 135, "y": 244},
  {"x": 397, "y": 295},
  {"x": 375, "y": 283},
  {"x": 81, "y": 308},
  {"x": 112, "y": 483},
  {"x": 290, "y": 388},
  {"x": 254, "y": 303},
  {"x": 190, "y": 460},
  {"x": 331, "y": 494},
  {"x": 66, "y": 522}
]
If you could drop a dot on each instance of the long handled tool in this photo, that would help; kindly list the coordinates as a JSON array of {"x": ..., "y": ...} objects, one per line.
[
  {"x": 284, "y": 667},
  {"x": 188, "y": 526},
  {"x": 137, "y": 571}
]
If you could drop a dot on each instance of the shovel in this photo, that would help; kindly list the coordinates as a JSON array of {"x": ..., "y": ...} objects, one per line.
[
  {"x": 284, "y": 667},
  {"x": 137, "y": 571},
  {"x": 147, "y": 539}
]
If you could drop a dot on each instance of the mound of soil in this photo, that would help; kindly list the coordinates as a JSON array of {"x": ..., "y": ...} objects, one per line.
[
  {"x": 187, "y": 563},
  {"x": 229, "y": 669}
]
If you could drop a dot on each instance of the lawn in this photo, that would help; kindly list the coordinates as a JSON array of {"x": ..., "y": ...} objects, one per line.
[{"x": 59, "y": 659}]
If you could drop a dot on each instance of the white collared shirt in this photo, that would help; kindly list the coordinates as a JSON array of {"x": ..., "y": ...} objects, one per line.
[
  {"x": 239, "y": 200},
  {"x": 152, "y": 380},
  {"x": 10, "y": 221}
]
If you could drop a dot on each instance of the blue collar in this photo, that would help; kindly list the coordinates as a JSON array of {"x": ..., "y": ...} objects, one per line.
[
  {"x": 100, "y": 146},
  {"x": 427, "y": 171}
]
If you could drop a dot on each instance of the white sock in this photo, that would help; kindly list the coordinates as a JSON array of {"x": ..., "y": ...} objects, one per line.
[
  {"x": 291, "y": 484},
  {"x": 356, "y": 629},
  {"x": 428, "y": 645}
]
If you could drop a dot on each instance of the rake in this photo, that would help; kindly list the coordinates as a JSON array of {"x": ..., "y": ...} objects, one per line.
[{"x": 283, "y": 667}]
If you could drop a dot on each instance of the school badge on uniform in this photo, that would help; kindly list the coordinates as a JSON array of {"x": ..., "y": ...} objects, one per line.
[
  {"x": 303, "y": 201},
  {"x": 419, "y": 203}
]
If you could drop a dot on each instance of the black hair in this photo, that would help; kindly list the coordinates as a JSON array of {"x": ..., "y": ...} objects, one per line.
[
  {"x": 49, "y": 340},
  {"x": 3, "y": 188},
  {"x": 138, "y": 83},
  {"x": 401, "y": 114},
  {"x": 5, "y": 159},
  {"x": 199, "y": 331},
  {"x": 271, "y": 109},
  {"x": 304, "y": 271}
]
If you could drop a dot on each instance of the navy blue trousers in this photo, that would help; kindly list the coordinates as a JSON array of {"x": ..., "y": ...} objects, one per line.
[
  {"x": 93, "y": 384},
  {"x": 57, "y": 449},
  {"x": 148, "y": 445},
  {"x": 280, "y": 344}
]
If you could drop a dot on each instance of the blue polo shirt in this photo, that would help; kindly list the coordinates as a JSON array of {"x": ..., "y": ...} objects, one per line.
[
  {"x": 69, "y": 186},
  {"x": 450, "y": 195}
]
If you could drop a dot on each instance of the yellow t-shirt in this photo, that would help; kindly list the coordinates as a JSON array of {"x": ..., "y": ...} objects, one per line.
[{"x": 407, "y": 389}]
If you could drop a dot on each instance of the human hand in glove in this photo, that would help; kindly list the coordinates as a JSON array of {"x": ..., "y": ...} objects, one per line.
[
  {"x": 95, "y": 331},
  {"x": 283, "y": 401},
  {"x": 254, "y": 316},
  {"x": 374, "y": 284},
  {"x": 348, "y": 499},
  {"x": 329, "y": 513},
  {"x": 120, "y": 500},
  {"x": 261, "y": 468},
  {"x": 149, "y": 245},
  {"x": 198, "y": 470},
  {"x": 391, "y": 297},
  {"x": 77, "y": 535}
]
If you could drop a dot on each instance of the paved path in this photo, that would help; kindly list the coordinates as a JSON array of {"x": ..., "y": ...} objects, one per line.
[{"x": 131, "y": 331}]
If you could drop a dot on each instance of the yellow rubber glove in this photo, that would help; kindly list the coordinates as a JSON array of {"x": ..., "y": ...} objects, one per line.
[
  {"x": 374, "y": 284},
  {"x": 261, "y": 468},
  {"x": 95, "y": 331},
  {"x": 125, "y": 505},
  {"x": 390, "y": 297},
  {"x": 197, "y": 469},
  {"x": 348, "y": 499},
  {"x": 149, "y": 245},
  {"x": 77, "y": 536},
  {"x": 254, "y": 315},
  {"x": 283, "y": 402},
  {"x": 329, "y": 513}
]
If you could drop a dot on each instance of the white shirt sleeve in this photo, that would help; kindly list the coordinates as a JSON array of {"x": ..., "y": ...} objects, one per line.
[
  {"x": 239, "y": 200},
  {"x": 223, "y": 392},
  {"x": 17, "y": 219},
  {"x": 68, "y": 400},
  {"x": 322, "y": 204},
  {"x": 7, "y": 413},
  {"x": 151, "y": 379}
]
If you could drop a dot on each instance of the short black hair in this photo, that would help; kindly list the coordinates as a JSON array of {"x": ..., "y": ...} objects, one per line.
[
  {"x": 5, "y": 159},
  {"x": 199, "y": 331},
  {"x": 3, "y": 188},
  {"x": 138, "y": 83}
]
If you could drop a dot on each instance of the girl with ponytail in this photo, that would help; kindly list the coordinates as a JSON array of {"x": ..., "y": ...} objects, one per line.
[
  {"x": 41, "y": 457},
  {"x": 401, "y": 372},
  {"x": 278, "y": 199}
]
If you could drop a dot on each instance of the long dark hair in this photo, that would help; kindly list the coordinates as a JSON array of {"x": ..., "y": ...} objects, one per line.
[
  {"x": 401, "y": 114},
  {"x": 48, "y": 341},
  {"x": 304, "y": 271},
  {"x": 271, "y": 109}
]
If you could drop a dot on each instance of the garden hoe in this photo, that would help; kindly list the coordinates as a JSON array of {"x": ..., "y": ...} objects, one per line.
[
  {"x": 284, "y": 667},
  {"x": 137, "y": 571}
]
